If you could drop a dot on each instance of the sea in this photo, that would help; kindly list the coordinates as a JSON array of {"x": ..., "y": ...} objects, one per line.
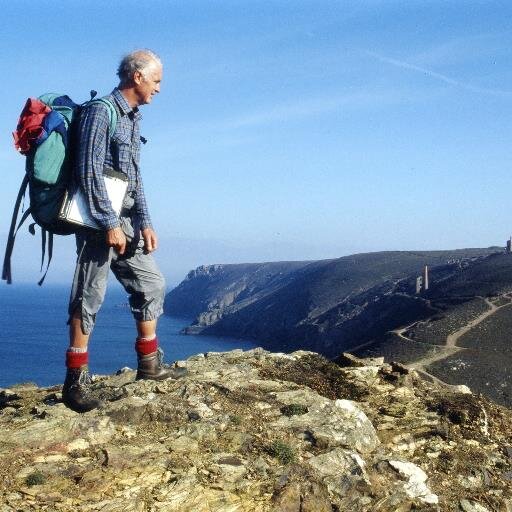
[{"x": 34, "y": 335}]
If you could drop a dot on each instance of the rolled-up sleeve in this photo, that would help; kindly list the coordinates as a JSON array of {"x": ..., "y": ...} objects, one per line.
[{"x": 93, "y": 139}]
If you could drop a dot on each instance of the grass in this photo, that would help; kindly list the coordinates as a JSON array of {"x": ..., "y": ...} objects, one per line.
[
  {"x": 294, "y": 409},
  {"x": 282, "y": 451},
  {"x": 235, "y": 419},
  {"x": 35, "y": 478}
]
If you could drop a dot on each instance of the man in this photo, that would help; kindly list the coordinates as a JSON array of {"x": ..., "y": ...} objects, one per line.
[{"x": 124, "y": 243}]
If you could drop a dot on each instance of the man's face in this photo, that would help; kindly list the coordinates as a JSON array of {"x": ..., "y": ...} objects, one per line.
[{"x": 147, "y": 84}]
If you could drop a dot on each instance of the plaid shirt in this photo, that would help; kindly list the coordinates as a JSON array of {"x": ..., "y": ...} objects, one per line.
[{"x": 97, "y": 150}]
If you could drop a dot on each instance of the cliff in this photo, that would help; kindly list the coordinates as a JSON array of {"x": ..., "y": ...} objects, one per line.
[
  {"x": 258, "y": 431},
  {"x": 326, "y": 306},
  {"x": 458, "y": 330}
]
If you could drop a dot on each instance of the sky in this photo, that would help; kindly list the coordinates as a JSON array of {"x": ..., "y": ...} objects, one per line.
[{"x": 286, "y": 130}]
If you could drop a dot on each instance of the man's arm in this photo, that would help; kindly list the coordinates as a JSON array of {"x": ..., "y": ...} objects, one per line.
[
  {"x": 141, "y": 207},
  {"x": 93, "y": 139}
]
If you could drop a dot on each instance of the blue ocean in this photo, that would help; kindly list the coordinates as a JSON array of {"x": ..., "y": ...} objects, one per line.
[{"x": 34, "y": 335}]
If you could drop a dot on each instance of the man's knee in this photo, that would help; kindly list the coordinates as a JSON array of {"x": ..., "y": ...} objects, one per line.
[
  {"x": 86, "y": 301},
  {"x": 86, "y": 317},
  {"x": 148, "y": 303}
]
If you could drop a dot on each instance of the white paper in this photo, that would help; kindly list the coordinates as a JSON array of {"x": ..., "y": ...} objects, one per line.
[{"x": 76, "y": 209}]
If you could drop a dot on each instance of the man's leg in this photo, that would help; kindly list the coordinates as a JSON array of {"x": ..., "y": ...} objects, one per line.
[
  {"x": 77, "y": 339},
  {"x": 87, "y": 294},
  {"x": 149, "y": 355},
  {"x": 141, "y": 278},
  {"x": 146, "y": 328}
]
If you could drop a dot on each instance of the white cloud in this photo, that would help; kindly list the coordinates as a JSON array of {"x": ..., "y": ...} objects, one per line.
[
  {"x": 464, "y": 49},
  {"x": 438, "y": 76}
]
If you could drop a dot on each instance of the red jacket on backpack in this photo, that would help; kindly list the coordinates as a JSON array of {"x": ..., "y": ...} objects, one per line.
[{"x": 30, "y": 125}]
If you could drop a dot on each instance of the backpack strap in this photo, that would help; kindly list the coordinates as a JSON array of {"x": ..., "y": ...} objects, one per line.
[
  {"x": 6, "y": 269},
  {"x": 112, "y": 114},
  {"x": 46, "y": 235}
]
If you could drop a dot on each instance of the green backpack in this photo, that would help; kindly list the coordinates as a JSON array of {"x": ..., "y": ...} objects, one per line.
[{"x": 45, "y": 135}]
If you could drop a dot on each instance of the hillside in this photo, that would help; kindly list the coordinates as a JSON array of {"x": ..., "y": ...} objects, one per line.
[
  {"x": 258, "y": 432},
  {"x": 467, "y": 338},
  {"x": 367, "y": 304}
]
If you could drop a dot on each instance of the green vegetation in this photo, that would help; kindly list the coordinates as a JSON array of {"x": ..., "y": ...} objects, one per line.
[
  {"x": 294, "y": 409},
  {"x": 235, "y": 419},
  {"x": 282, "y": 451},
  {"x": 35, "y": 478}
]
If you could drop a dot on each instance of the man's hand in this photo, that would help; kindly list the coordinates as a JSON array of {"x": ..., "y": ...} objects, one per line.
[
  {"x": 116, "y": 239},
  {"x": 150, "y": 240}
]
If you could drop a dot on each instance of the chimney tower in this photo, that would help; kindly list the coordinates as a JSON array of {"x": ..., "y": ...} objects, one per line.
[{"x": 425, "y": 278}]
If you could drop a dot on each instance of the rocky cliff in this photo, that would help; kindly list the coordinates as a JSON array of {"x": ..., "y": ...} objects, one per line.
[
  {"x": 459, "y": 329},
  {"x": 258, "y": 431},
  {"x": 327, "y": 306}
]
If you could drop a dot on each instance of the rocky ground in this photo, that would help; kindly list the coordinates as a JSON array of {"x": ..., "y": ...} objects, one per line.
[{"x": 258, "y": 431}]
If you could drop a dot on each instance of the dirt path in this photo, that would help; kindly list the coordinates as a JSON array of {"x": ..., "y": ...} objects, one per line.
[
  {"x": 443, "y": 353},
  {"x": 451, "y": 340},
  {"x": 400, "y": 332},
  {"x": 450, "y": 347}
]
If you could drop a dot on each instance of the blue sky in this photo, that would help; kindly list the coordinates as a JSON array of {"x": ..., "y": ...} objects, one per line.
[{"x": 288, "y": 129}]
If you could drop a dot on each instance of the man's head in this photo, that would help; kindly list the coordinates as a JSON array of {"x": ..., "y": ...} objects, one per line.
[{"x": 140, "y": 74}]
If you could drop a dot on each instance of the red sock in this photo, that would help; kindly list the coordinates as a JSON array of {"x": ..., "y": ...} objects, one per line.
[
  {"x": 76, "y": 359},
  {"x": 145, "y": 347}
]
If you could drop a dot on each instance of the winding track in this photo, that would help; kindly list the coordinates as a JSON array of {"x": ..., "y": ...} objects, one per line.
[{"x": 450, "y": 347}]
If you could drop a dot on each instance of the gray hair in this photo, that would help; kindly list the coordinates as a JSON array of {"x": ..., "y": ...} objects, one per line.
[{"x": 138, "y": 60}]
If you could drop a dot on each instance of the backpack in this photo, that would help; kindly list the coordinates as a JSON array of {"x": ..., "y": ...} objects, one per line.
[{"x": 45, "y": 135}]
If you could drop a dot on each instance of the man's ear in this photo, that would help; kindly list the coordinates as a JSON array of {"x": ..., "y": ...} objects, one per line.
[{"x": 138, "y": 77}]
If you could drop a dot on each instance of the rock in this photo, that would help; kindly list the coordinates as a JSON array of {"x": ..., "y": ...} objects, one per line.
[
  {"x": 297, "y": 354},
  {"x": 200, "y": 409},
  {"x": 131, "y": 410},
  {"x": 78, "y": 444},
  {"x": 229, "y": 472},
  {"x": 122, "y": 376},
  {"x": 242, "y": 432},
  {"x": 288, "y": 500},
  {"x": 399, "y": 368},
  {"x": 339, "y": 470},
  {"x": 329, "y": 424},
  {"x": 315, "y": 498},
  {"x": 364, "y": 373},
  {"x": 184, "y": 444},
  {"x": 238, "y": 441},
  {"x": 260, "y": 467},
  {"x": 461, "y": 388},
  {"x": 230, "y": 460},
  {"x": 416, "y": 478},
  {"x": 7, "y": 396},
  {"x": 347, "y": 359},
  {"x": 471, "y": 481},
  {"x": 472, "y": 506},
  {"x": 193, "y": 415}
]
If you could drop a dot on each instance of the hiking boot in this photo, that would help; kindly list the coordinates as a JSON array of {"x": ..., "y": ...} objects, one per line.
[
  {"x": 75, "y": 392},
  {"x": 151, "y": 367}
]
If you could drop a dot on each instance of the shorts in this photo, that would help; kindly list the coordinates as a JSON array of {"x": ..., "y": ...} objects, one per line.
[{"x": 137, "y": 272}]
